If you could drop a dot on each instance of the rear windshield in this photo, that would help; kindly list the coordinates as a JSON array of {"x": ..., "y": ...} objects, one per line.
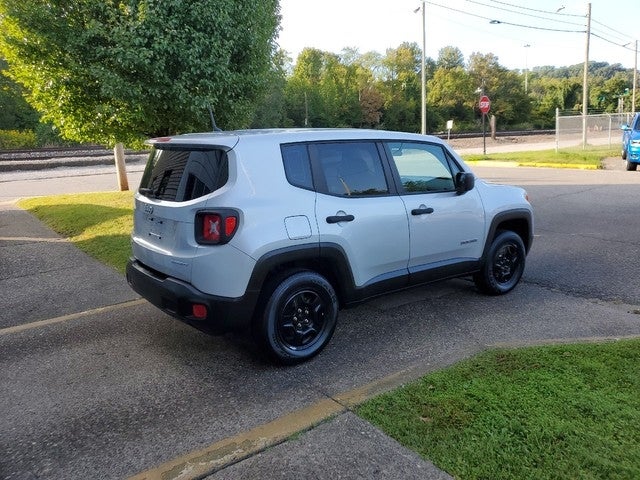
[{"x": 183, "y": 173}]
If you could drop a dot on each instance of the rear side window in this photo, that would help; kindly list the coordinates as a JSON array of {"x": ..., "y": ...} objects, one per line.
[
  {"x": 349, "y": 168},
  {"x": 179, "y": 174},
  {"x": 296, "y": 166}
]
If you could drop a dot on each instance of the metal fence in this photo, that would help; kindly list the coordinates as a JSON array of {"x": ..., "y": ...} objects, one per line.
[{"x": 602, "y": 129}]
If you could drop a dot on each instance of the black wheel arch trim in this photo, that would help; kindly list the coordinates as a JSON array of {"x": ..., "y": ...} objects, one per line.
[
  {"x": 511, "y": 217},
  {"x": 329, "y": 258}
]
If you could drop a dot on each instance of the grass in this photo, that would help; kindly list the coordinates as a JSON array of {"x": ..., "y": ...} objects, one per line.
[
  {"x": 97, "y": 223},
  {"x": 537, "y": 413},
  {"x": 570, "y": 158}
]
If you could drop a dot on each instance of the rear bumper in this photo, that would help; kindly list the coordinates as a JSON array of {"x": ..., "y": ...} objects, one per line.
[{"x": 176, "y": 298}]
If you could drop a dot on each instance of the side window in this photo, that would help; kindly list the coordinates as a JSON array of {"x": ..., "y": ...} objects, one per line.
[
  {"x": 349, "y": 168},
  {"x": 296, "y": 165},
  {"x": 423, "y": 167}
]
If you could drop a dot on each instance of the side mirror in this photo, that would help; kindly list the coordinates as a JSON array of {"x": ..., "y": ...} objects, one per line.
[
  {"x": 465, "y": 181},
  {"x": 624, "y": 126}
]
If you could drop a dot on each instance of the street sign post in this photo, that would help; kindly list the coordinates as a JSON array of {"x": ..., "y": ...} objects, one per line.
[{"x": 485, "y": 106}]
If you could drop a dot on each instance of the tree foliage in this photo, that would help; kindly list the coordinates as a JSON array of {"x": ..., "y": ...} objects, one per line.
[{"x": 108, "y": 71}]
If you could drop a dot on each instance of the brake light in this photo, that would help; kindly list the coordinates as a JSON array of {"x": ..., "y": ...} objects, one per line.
[
  {"x": 216, "y": 228},
  {"x": 211, "y": 228}
]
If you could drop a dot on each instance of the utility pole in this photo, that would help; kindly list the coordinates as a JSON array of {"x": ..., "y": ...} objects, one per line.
[
  {"x": 424, "y": 74},
  {"x": 526, "y": 69},
  {"x": 585, "y": 85},
  {"x": 635, "y": 75}
]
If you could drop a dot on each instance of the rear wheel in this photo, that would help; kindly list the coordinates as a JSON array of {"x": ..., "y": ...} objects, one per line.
[
  {"x": 631, "y": 166},
  {"x": 624, "y": 153},
  {"x": 299, "y": 317},
  {"x": 503, "y": 266}
]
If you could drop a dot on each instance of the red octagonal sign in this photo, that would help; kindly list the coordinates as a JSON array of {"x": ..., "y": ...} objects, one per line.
[{"x": 485, "y": 104}]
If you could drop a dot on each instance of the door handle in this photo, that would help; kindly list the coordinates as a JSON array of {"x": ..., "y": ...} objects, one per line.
[
  {"x": 421, "y": 211},
  {"x": 340, "y": 218}
]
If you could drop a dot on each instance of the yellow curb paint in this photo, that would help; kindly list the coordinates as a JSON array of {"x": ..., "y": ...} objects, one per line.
[
  {"x": 231, "y": 450},
  {"x": 510, "y": 164},
  {"x": 66, "y": 318}
]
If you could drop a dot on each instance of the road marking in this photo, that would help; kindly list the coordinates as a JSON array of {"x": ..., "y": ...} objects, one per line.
[
  {"x": 71, "y": 316},
  {"x": 35, "y": 239}
]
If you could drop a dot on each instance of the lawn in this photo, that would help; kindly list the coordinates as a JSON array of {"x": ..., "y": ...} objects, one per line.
[
  {"x": 97, "y": 223},
  {"x": 570, "y": 158},
  {"x": 569, "y": 411}
]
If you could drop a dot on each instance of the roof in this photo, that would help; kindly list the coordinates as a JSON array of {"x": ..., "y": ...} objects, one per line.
[{"x": 291, "y": 135}]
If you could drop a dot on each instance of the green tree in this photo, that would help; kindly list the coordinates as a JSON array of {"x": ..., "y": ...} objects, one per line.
[
  {"x": 402, "y": 89},
  {"x": 15, "y": 112},
  {"x": 450, "y": 93},
  {"x": 115, "y": 71},
  {"x": 324, "y": 91},
  {"x": 450, "y": 57},
  {"x": 271, "y": 109},
  {"x": 505, "y": 88}
]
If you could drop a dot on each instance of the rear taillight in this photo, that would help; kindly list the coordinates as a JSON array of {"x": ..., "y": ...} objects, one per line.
[{"x": 217, "y": 227}]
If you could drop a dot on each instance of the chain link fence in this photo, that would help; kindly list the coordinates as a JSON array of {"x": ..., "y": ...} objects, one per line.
[{"x": 601, "y": 129}]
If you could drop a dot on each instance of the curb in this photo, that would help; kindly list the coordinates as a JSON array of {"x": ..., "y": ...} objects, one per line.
[
  {"x": 512, "y": 164},
  {"x": 31, "y": 165}
]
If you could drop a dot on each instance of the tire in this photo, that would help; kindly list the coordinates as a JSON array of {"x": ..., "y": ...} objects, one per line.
[
  {"x": 299, "y": 318},
  {"x": 631, "y": 166},
  {"x": 624, "y": 153},
  {"x": 503, "y": 265}
]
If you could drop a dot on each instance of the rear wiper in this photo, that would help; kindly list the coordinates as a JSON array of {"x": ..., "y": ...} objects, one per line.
[{"x": 148, "y": 192}]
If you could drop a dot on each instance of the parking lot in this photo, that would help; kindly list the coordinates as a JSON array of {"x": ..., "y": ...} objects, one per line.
[{"x": 106, "y": 386}]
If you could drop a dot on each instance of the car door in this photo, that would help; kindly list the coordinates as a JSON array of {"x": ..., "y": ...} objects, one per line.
[
  {"x": 357, "y": 210},
  {"x": 445, "y": 228}
]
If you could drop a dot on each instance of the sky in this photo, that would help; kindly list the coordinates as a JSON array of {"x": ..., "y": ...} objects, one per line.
[{"x": 376, "y": 25}]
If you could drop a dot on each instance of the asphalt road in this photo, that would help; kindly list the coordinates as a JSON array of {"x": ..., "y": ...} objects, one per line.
[{"x": 120, "y": 390}]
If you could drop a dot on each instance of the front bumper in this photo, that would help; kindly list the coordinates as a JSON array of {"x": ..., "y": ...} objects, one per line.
[
  {"x": 176, "y": 298},
  {"x": 633, "y": 153}
]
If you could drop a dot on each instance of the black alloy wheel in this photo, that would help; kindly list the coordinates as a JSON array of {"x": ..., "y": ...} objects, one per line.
[
  {"x": 300, "y": 317},
  {"x": 503, "y": 266}
]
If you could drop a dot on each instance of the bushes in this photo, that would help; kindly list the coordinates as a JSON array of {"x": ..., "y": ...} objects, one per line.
[
  {"x": 17, "y": 139},
  {"x": 44, "y": 135}
]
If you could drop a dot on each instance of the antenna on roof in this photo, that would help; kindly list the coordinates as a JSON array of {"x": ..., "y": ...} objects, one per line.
[{"x": 213, "y": 120}]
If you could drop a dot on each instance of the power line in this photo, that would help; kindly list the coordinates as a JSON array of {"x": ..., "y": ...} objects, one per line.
[
  {"x": 601, "y": 35},
  {"x": 527, "y": 14},
  {"x": 539, "y": 11},
  {"x": 619, "y": 34},
  {"x": 494, "y": 21}
]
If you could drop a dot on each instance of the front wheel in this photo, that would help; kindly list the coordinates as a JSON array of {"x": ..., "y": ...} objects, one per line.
[
  {"x": 503, "y": 265},
  {"x": 299, "y": 318},
  {"x": 631, "y": 166}
]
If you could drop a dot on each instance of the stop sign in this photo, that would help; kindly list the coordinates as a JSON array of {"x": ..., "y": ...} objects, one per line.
[{"x": 485, "y": 104}]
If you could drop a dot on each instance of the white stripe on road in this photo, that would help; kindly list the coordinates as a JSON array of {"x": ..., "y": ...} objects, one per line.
[{"x": 71, "y": 316}]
